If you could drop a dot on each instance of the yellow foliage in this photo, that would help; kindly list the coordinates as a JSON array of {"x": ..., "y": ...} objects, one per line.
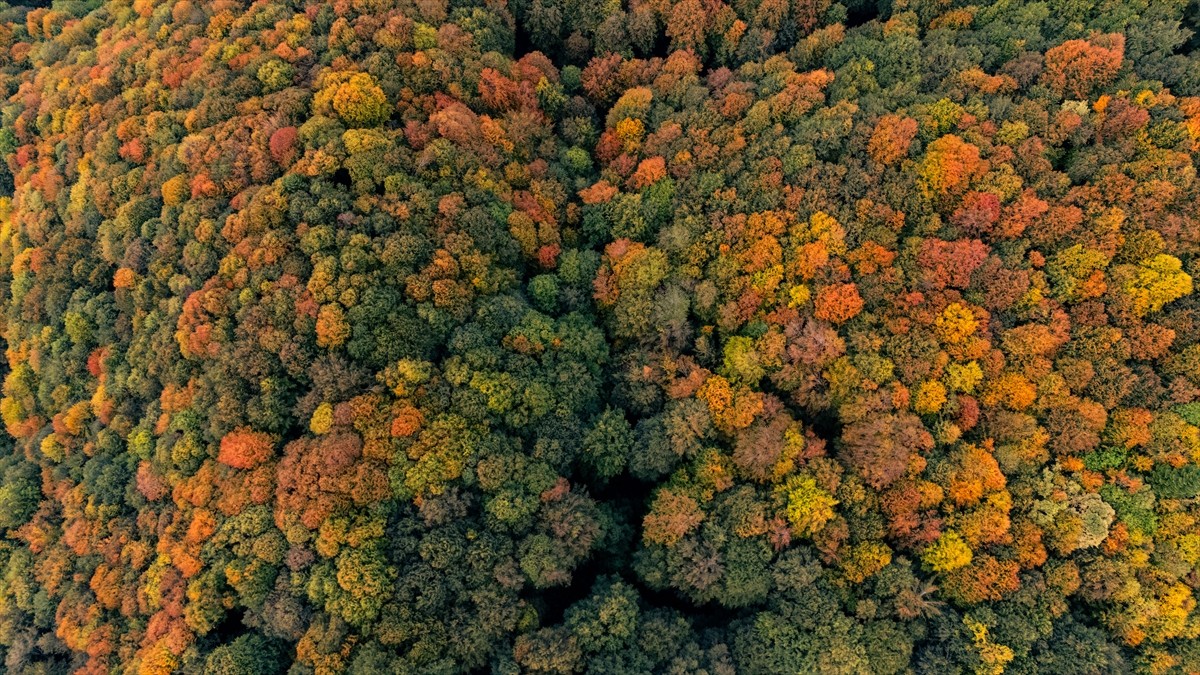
[
  {"x": 948, "y": 553},
  {"x": 158, "y": 661},
  {"x": 930, "y": 397},
  {"x": 865, "y": 560},
  {"x": 322, "y": 419},
  {"x": 359, "y": 141},
  {"x": 793, "y": 445},
  {"x": 52, "y": 449},
  {"x": 823, "y": 228},
  {"x": 1157, "y": 281},
  {"x": 1189, "y": 548},
  {"x": 808, "y": 506},
  {"x": 963, "y": 377},
  {"x": 955, "y": 324},
  {"x": 175, "y": 191},
  {"x": 1156, "y": 616},
  {"x": 356, "y": 98},
  {"x": 630, "y": 132},
  {"x": 731, "y": 408},
  {"x": 993, "y": 657}
]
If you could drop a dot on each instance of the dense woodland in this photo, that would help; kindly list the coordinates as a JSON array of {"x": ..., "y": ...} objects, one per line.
[{"x": 590, "y": 336}]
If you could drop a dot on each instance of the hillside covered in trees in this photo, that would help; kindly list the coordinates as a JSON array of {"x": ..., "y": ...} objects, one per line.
[{"x": 600, "y": 336}]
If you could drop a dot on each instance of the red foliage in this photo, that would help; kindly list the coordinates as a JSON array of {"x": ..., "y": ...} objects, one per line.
[
  {"x": 498, "y": 92},
  {"x": 152, "y": 486},
  {"x": 282, "y": 144},
  {"x": 950, "y": 263},
  {"x": 319, "y": 476},
  {"x": 977, "y": 214}
]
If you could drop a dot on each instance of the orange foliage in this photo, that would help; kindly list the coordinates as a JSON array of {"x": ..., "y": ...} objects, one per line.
[
  {"x": 949, "y": 167},
  {"x": 407, "y": 421},
  {"x": 731, "y": 407},
  {"x": 245, "y": 449},
  {"x": 891, "y": 139},
  {"x": 838, "y": 303},
  {"x": 649, "y": 172},
  {"x": 671, "y": 517},
  {"x": 124, "y": 278},
  {"x": 1077, "y": 67},
  {"x": 986, "y": 578}
]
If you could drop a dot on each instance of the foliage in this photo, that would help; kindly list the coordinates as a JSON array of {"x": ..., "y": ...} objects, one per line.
[{"x": 685, "y": 336}]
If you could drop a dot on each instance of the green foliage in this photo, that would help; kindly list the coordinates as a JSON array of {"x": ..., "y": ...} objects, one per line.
[
  {"x": 1135, "y": 510},
  {"x": 1180, "y": 483},
  {"x": 275, "y": 75},
  {"x": 249, "y": 654},
  {"x": 20, "y": 492},
  {"x": 607, "y": 445}
]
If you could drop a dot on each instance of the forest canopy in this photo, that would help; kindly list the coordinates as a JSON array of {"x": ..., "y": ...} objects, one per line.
[{"x": 569, "y": 336}]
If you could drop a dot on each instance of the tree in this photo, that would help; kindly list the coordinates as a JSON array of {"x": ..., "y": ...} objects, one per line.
[
  {"x": 672, "y": 515},
  {"x": 356, "y": 98},
  {"x": 881, "y": 447},
  {"x": 245, "y": 449},
  {"x": 807, "y": 506},
  {"x": 947, "y": 554},
  {"x": 891, "y": 138},
  {"x": 949, "y": 166},
  {"x": 1154, "y": 283},
  {"x": 249, "y": 654},
  {"x": 1076, "y": 68},
  {"x": 838, "y": 304}
]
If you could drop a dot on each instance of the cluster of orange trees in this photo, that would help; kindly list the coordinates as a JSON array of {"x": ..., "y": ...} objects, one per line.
[{"x": 558, "y": 336}]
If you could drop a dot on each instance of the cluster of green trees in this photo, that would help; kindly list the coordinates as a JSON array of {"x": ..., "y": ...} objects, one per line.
[{"x": 556, "y": 336}]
